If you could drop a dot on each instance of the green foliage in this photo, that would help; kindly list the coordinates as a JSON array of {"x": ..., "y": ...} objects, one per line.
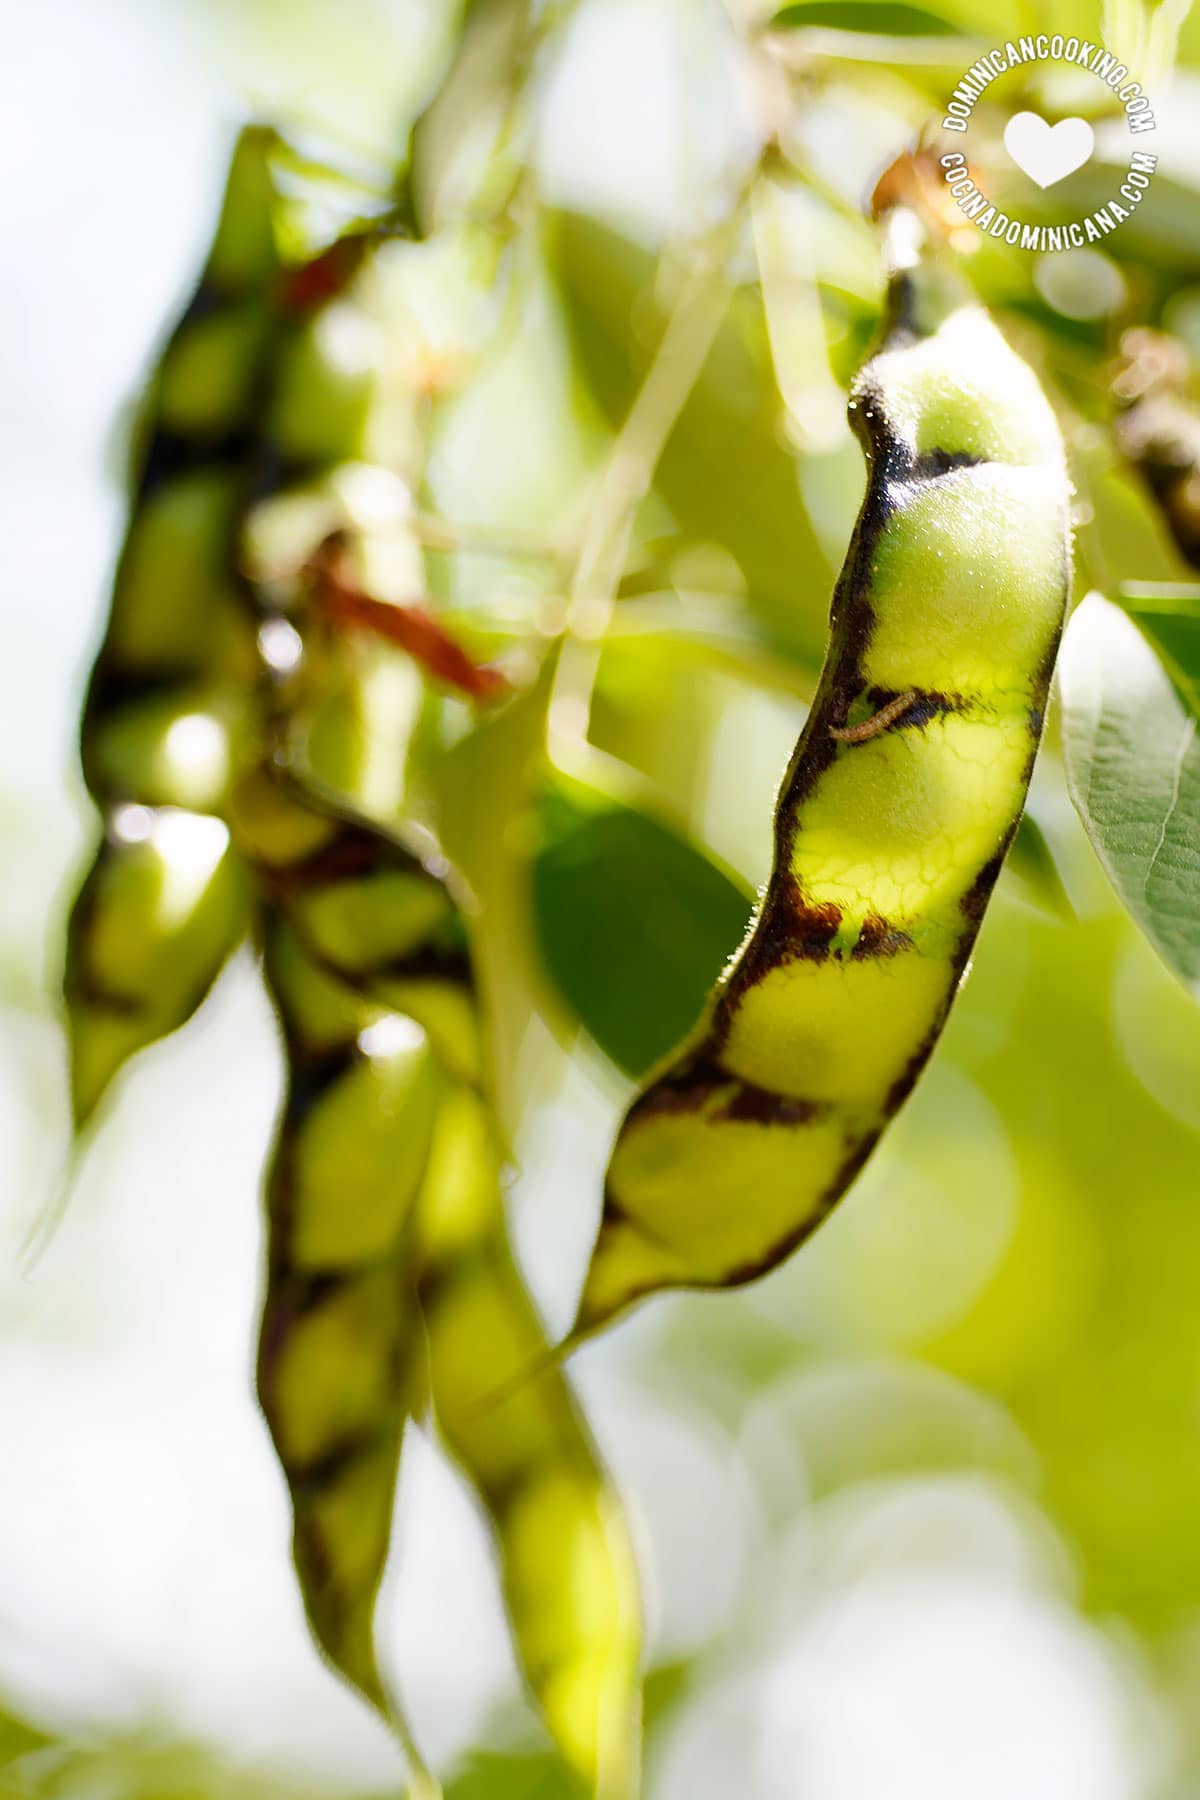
[
  {"x": 1133, "y": 761},
  {"x": 887, "y": 18},
  {"x": 1172, "y": 628},
  {"x": 463, "y": 442},
  {"x": 615, "y": 318},
  {"x": 632, "y": 920},
  {"x": 513, "y": 1778},
  {"x": 38, "y": 1766},
  {"x": 1031, "y": 859}
]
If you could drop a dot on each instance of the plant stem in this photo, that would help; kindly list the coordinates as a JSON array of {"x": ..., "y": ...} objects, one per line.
[{"x": 628, "y": 473}]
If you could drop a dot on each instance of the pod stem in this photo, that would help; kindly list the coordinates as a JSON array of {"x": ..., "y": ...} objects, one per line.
[
  {"x": 545, "y": 1362},
  {"x": 43, "y": 1227},
  {"x": 422, "y": 1784}
]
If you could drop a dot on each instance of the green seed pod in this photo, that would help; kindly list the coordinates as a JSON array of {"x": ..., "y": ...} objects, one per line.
[
  {"x": 175, "y": 616},
  {"x": 386, "y": 1180},
  {"x": 245, "y": 255},
  {"x": 172, "y": 747},
  {"x": 326, "y": 469},
  {"x": 162, "y": 907},
  {"x": 282, "y": 417},
  {"x": 392, "y": 324},
  {"x": 565, "y": 1558},
  {"x": 176, "y": 632},
  {"x": 341, "y": 1352},
  {"x": 367, "y": 962},
  {"x": 368, "y": 918},
  {"x": 894, "y": 818},
  {"x": 328, "y": 382},
  {"x": 365, "y": 909}
]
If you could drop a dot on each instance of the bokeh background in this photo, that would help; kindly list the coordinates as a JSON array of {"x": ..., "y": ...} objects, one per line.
[{"x": 918, "y": 1515}]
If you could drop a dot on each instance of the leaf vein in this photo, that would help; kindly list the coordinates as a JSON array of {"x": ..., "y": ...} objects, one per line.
[{"x": 1176, "y": 789}]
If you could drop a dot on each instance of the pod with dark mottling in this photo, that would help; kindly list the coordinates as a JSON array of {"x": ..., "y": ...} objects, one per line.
[
  {"x": 566, "y": 1565},
  {"x": 163, "y": 697},
  {"x": 161, "y": 907},
  {"x": 341, "y": 1354},
  {"x": 390, "y": 1267},
  {"x": 893, "y": 820},
  {"x": 160, "y": 910}
]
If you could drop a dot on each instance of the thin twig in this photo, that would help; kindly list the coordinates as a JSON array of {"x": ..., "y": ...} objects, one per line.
[
  {"x": 629, "y": 472},
  {"x": 437, "y": 533},
  {"x": 411, "y": 626},
  {"x": 681, "y": 354}
]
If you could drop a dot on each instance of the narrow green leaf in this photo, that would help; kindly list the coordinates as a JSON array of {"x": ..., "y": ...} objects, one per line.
[
  {"x": 1133, "y": 765},
  {"x": 881, "y": 18},
  {"x": 1032, "y": 860},
  {"x": 634, "y": 922}
]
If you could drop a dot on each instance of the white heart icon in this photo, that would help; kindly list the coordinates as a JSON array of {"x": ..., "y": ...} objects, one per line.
[{"x": 1048, "y": 153}]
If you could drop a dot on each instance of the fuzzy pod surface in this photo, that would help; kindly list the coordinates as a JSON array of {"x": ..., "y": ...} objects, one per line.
[{"x": 893, "y": 819}]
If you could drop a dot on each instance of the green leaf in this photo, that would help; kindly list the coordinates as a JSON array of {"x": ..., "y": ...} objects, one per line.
[
  {"x": 1172, "y": 626},
  {"x": 1031, "y": 860},
  {"x": 665, "y": 636},
  {"x": 635, "y": 923},
  {"x": 18, "y": 1738},
  {"x": 1133, "y": 766},
  {"x": 879, "y": 17},
  {"x": 520, "y": 1776},
  {"x": 726, "y": 473},
  {"x": 1163, "y": 230}
]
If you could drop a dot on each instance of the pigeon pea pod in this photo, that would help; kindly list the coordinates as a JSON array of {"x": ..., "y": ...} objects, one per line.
[
  {"x": 364, "y": 907},
  {"x": 392, "y": 325},
  {"x": 341, "y": 1346},
  {"x": 385, "y": 1187},
  {"x": 163, "y": 698},
  {"x": 892, "y": 823},
  {"x": 566, "y": 1563},
  {"x": 364, "y": 953},
  {"x": 341, "y": 1354},
  {"x": 285, "y": 432},
  {"x": 169, "y": 721},
  {"x": 161, "y": 908}
]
